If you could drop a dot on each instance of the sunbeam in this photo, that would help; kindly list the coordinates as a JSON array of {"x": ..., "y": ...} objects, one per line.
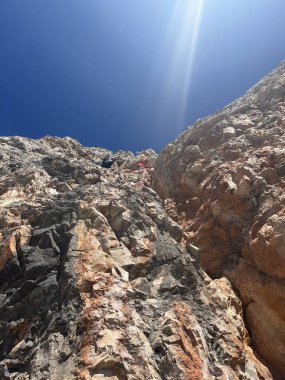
[
  {"x": 178, "y": 52},
  {"x": 192, "y": 34}
]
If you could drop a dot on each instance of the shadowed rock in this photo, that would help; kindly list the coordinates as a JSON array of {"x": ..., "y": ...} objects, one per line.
[
  {"x": 101, "y": 279},
  {"x": 223, "y": 181}
]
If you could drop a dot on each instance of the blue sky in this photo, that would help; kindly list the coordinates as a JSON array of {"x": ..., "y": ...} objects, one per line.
[{"x": 130, "y": 74}]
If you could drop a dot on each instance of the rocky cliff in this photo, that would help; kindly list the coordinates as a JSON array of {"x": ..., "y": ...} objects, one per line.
[
  {"x": 102, "y": 278},
  {"x": 224, "y": 179}
]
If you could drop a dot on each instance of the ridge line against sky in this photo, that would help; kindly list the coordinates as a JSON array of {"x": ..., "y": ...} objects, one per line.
[{"x": 130, "y": 75}]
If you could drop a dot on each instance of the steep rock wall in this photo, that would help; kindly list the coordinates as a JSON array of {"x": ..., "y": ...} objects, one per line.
[
  {"x": 223, "y": 180},
  {"x": 96, "y": 281}
]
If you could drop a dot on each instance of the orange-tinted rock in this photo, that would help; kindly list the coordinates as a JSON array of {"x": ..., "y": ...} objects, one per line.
[
  {"x": 239, "y": 199},
  {"x": 105, "y": 285},
  {"x": 12, "y": 241}
]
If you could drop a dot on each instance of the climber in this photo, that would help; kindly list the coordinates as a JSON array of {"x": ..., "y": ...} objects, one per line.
[
  {"x": 140, "y": 166},
  {"x": 107, "y": 161}
]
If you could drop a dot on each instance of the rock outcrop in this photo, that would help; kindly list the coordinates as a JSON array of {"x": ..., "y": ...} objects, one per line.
[
  {"x": 97, "y": 282},
  {"x": 223, "y": 180}
]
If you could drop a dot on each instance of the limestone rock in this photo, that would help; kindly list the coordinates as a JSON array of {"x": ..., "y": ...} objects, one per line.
[
  {"x": 231, "y": 205},
  {"x": 97, "y": 281}
]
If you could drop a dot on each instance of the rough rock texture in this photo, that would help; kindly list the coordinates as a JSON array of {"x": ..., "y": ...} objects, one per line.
[
  {"x": 223, "y": 180},
  {"x": 97, "y": 282}
]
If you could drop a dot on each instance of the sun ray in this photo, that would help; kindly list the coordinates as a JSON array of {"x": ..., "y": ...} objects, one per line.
[
  {"x": 178, "y": 53},
  {"x": 191, "y": 57}
]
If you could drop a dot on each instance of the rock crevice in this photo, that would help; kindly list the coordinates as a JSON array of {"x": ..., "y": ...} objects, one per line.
[
  {"x": 223, "y": 181},
  {"x": 103, "y": 272}
]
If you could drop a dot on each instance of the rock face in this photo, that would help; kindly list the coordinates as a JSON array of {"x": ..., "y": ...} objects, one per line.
[
  {"x": 97, "y": 282},
  {"x": 223, "y": 180}
]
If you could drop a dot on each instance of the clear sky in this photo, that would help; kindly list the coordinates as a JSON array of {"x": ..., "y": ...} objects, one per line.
[{"x": 130, "y": 74}]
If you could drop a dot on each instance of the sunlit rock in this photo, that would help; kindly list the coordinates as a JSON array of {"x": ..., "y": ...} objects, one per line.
[{"x": 237, "y": 219}]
